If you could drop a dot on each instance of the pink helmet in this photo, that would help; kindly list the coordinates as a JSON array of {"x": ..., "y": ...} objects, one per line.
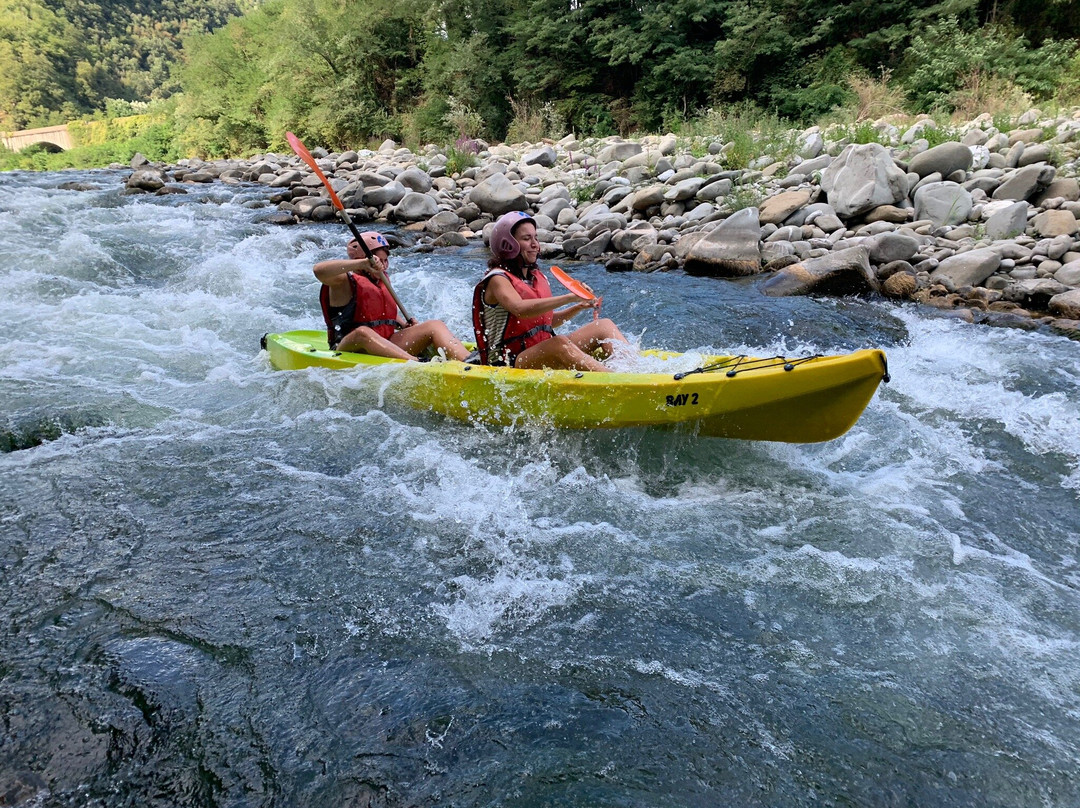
[
  {"x": 503, "y": 244},
  {"x": 375, "y": 240}
]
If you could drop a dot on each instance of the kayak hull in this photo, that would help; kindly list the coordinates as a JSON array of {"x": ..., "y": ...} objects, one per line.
[{"x": 795, "y": 400}]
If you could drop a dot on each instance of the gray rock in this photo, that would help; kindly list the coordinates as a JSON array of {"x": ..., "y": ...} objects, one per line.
[
  {"x": 1034, "y": 293},
  {"x": 862, "y": 178},
  {"x": 415, "y": 180},
  {"x": 1034, "y": 153},
  {"x": 619, "y": 151},
  {"x": 593, "y": 249},
  {"x": 544, "y": 156},
  {"x": 731, "y": 249},
  {"x": 286, "y": 178},
  {"x": 943, "y": 203},
  {"x": 1025, "y": 182},
  {"x": 389, "y": 194},
  {"x": 553, "y": 207},
  {"x": 887, "y": 248},
  {"x": 1069, "y": 274},
  {"x": 684, "y": 189},
  {"x": 146, "y": 179},
  {"x": 714, "y": 190},
  {"x": 445, "y": 221},
  {"x": 1009, "y": 222},
  {"x": 943, "y": 159},
  {"x": 836, "y": 273},
  {"x": 497, "y": 195},
  {"x": 966, "y": 269}
]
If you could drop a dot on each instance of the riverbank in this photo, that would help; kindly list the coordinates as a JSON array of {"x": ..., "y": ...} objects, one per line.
[{"x": 982, "y": 224}]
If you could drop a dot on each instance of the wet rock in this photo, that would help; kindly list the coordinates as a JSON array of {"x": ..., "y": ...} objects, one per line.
[
  {"x": 838, "y": 273},
  {"x": 1066, "y": 304}
]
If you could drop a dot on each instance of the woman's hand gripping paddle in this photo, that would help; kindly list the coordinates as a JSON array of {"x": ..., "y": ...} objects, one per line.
[
  {"x": 305, "y": 155},
  {"x": 578, "y": 288}
]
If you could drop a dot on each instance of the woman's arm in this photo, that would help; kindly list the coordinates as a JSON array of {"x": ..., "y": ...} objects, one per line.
[
  {"x": 568, "y": 313},
  {"x": 334, "y": 271},
  {"x": 501, "y": 291}
]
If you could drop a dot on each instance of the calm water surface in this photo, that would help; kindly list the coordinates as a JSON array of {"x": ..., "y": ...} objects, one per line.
[{"x": 223, "y": 585}]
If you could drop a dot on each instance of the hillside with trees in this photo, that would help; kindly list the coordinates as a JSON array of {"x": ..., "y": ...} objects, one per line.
[
  {"x": 344, "y": 71},
  {"x": 62, "y": 59},
  {"x": 238, "y": 73}
]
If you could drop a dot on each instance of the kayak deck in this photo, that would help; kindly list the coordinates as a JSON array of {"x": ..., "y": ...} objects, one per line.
[{"x": 794, "y": 400}]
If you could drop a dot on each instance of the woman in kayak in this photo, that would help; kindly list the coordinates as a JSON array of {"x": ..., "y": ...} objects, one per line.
[
  {"x": 361, "y": 314},
  {"x": 515, "y": 314}
]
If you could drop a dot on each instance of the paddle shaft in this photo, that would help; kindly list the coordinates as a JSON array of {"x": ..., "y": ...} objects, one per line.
[{"x": 305, "y": 155}]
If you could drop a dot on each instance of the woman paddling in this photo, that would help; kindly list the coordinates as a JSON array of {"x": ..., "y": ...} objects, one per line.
[
  {"x": 361, "y": 314},
  {"x": 514, "y": 313}
]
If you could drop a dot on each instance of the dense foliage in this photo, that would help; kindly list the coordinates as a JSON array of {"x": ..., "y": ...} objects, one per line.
[
  {"x": 61, "y": 59},
  {"x": 345, "y": 72}
]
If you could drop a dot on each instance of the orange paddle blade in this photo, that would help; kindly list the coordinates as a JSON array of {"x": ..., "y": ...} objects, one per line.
[
  {"x": 575, "y": 286},
  {"x": 305, "y": 155}
]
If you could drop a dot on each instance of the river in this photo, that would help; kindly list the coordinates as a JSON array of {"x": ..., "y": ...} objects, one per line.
[{"x": 224, "y": 585}]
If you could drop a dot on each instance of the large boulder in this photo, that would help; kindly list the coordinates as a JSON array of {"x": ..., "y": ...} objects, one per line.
[
  {"x": 841, "y": 272},
  {"x": 731, "y": 249},
  {"x": 943, "y": 159},
  {"x": 943, "y": 203},
  {"x": 415, "y": 180},
  {"x": 413, "y": 207},
  {"x": 497, "y": 195},
  {"x": 389, "y": 194},
  {"x": 862, "y": 178},
  {"x": 966, "y": 269}
]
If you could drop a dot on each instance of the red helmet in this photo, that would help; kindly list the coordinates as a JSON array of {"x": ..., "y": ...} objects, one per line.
[{"x": 503, "y": 244}]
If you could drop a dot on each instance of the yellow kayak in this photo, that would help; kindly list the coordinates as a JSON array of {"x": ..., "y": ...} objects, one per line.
[{"x": 789, "y": 399}]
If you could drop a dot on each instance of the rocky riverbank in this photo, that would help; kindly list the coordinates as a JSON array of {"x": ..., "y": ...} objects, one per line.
[{"x": 984, "y": 225}]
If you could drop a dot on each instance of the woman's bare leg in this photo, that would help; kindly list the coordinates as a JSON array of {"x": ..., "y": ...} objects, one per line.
[
  {"x": 558, "y": 353},
  {"x": 431, "y": 333}
]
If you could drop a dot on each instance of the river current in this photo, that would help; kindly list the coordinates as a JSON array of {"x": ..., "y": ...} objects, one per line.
[{"x": 223, "y": 585}]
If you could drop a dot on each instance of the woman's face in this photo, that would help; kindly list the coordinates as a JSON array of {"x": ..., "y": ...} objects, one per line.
[{"x": 525, "y": 236}]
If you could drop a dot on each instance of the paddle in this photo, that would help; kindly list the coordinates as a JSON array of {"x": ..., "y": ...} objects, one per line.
[
  {"x": 576, "y": 287},
  {"x": 305, "y": 155}
]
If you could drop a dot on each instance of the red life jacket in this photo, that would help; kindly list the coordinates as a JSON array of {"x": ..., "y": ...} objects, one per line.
[
  {"x": 502, "y": 346},
  {"x": 371, "y": 304}
]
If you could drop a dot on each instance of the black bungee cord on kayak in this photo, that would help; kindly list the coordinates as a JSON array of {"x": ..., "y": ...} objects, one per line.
[{"x": 742, "y": 363}]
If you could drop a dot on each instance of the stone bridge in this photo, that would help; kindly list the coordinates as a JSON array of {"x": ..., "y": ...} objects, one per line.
[{"x": 56, "y": 136}]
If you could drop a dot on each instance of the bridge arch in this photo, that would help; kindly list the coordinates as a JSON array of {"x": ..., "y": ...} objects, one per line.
[{"x": 56, "y": 138}]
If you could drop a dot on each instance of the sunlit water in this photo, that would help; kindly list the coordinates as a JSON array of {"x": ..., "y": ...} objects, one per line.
[{"x": 225, "y": 585}]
